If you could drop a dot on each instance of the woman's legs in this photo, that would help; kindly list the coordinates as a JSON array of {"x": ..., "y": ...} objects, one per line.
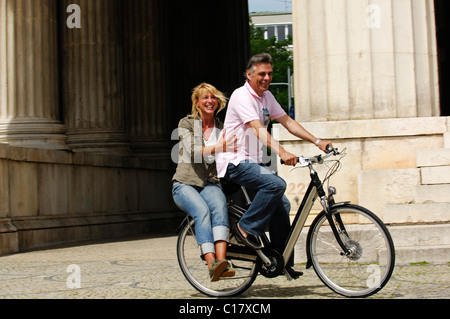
[
  {"x": 209, "y": 209},
  {"x": 217, "y": 203},
  {"x": 188, "y": 199}
]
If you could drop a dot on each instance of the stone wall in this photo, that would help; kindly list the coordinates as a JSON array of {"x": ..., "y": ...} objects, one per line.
[
  {"x": 373, "y": 148},
  {"x": 115, "y": 83},
  {"x": 50, "y": 197}
]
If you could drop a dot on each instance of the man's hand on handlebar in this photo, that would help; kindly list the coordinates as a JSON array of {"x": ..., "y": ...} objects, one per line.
[
  {"x": 324, "y": 146},
  {"x": 288, "y": 158}
]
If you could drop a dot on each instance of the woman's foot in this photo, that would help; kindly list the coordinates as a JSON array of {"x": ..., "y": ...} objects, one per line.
[
  {"x": 217, "y": 268},
  {"x": 229, "y": 270}
]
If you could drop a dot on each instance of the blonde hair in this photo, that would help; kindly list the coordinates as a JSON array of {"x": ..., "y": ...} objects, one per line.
[{"x": 201, "y": 89}]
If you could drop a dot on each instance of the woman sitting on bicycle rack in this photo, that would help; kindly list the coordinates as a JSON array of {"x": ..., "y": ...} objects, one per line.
[{"x": 196, "y": 188}]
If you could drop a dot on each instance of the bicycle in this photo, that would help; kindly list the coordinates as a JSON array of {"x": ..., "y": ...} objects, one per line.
[{"x": 348, "y": 246}]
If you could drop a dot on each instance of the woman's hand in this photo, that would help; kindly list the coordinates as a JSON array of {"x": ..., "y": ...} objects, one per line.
[{"x": 227, "y": 145}]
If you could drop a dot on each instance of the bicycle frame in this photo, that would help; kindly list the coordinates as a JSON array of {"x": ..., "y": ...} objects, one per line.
[
  {"x": 350, "y": 242},
  {"x": 299, "y": 221},
  {"x": 315, "y": 190}
]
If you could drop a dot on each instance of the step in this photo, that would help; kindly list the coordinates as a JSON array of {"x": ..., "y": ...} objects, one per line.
[
  {"x": 437, "y": 254},
  {"x": 378, "y": 188},
  {"x": 433, "y": 194},
  {"x": 447, "y": 139},
  {"x": 420, "y": 235},
  {"x": 417, "y": 213},
  {"x": 433, "y": 157},
  {"x": 435, "y": 175}
]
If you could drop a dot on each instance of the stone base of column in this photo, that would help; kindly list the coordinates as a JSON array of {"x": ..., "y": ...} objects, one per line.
[
  {"x": 152, "y": 148},
  {"x": 47, "y": 231},
  {"x": 101, "y": 141},
  {"x": 51, "y": 197},
  {"x": 9, "y": 238},
  {"x": 35, "y": 133}
]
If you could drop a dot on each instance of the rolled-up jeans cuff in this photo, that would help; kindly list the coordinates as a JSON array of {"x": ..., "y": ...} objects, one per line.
[
  {"x": 220, "y": 233},
  {"x": 207, "y": 248}
]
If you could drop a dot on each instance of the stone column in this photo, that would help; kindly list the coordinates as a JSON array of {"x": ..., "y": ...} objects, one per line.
[
  {"x": 93, "y": 82},
  {"x": 146, "y": 76},
  {"x": 29, "y": 97},
  {"x": 164, "y": 60},
  {"x": 365, "y": 59}
]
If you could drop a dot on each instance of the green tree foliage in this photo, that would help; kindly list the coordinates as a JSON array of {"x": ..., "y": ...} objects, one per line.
[{"x": 282, "y": 59}]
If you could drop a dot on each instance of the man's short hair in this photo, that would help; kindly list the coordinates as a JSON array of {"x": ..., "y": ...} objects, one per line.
[{"x": 257, "y": 59}]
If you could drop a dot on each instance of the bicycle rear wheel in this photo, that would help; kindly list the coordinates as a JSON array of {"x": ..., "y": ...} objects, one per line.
[
  {"x": 370, "y": 263},
  {"x": 195, "y": 269}
]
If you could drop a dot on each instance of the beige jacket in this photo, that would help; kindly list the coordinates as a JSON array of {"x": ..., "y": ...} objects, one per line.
[{"x": 192, "y": 168}]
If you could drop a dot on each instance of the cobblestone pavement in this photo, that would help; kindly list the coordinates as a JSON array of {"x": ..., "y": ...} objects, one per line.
[{"x": 147, "y": 268}]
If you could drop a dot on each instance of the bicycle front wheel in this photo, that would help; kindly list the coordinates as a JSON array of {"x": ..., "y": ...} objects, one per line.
[
  {"x": 368, "y": 264},
  {"x": 195, "y": 268}
]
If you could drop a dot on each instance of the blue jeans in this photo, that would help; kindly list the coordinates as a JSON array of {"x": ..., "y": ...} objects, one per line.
[
  {"x": 208, "y": 207},
  {"x": 270, "y": 207}
]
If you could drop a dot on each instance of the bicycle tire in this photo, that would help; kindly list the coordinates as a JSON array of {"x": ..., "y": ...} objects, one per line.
[
  {"x": 368, "y": 268},
  {"x": 195, "y": 269}
]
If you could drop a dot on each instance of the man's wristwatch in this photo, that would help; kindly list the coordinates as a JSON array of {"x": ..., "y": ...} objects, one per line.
[{"x": 318, "y": 141}]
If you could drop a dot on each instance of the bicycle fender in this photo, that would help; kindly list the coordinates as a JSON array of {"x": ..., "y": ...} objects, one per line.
[{"x": 339, "y": 204}]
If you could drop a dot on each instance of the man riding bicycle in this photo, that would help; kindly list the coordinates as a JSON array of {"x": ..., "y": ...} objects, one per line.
[{"x": 250, "y": 109}]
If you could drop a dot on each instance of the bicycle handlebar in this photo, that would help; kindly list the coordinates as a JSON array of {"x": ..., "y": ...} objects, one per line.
[{"x": 318, "y": 159}]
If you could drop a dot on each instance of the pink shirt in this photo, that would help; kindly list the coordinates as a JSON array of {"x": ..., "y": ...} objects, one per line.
[{"x": 245, "y": 106}]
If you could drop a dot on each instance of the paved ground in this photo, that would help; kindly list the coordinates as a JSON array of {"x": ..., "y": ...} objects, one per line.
[{"x": 146, "y": 268}]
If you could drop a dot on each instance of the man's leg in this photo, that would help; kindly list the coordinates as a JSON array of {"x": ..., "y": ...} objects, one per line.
[
  {"x": 280, "y": 224},
  {"x": 269, "y": 190},
  {"x": 279, "y": 229}
]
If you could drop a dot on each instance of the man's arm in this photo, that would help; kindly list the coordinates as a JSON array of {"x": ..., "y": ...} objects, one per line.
[
  {"x": 267, "y": 139},
  {"x": 297, "y": 130}
]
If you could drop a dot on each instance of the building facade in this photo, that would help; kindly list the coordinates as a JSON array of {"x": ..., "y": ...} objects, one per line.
[
  {"x": 278, "y": 25},
  {"x": 90, "y": 92},
  {"x": 367, "y": 75}
]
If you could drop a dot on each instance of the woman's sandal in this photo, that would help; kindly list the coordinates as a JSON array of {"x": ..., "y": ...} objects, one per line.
[
  {"x": 217, "y": 268},
  {"x": 229, "y": 271}
]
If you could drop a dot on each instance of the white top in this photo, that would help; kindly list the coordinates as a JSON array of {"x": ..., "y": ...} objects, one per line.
[
  {"x": 213, "y": 140},
  {"x": 245, "y": 106}
]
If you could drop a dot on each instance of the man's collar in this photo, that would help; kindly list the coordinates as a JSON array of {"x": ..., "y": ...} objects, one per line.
[{"x": 252, "y": 92}]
